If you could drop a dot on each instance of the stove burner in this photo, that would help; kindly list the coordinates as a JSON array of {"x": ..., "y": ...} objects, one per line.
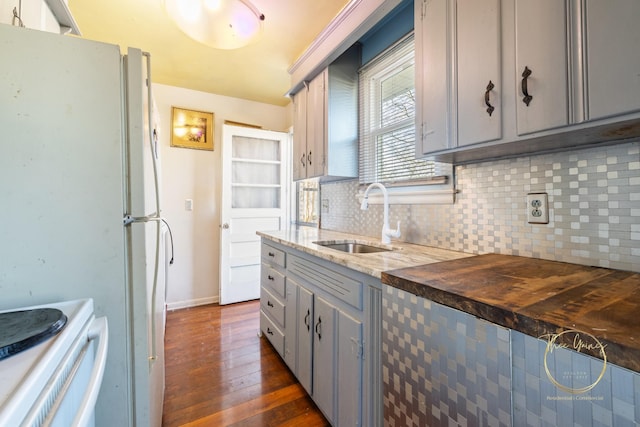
[{"x": 21, "y": 330}]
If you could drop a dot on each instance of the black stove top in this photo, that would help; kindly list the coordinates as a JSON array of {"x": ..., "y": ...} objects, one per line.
[{"x": 21, "y": 330}]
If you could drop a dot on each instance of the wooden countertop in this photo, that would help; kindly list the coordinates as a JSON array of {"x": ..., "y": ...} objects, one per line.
[{"x": 537, "y": 297}]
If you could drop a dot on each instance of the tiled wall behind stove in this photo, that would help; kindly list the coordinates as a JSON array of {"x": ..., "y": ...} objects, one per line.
[{"x": 594, "y": 209}]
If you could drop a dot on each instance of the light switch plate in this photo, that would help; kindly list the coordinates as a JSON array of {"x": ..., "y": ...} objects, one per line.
[{"x": 537, "y": 208}]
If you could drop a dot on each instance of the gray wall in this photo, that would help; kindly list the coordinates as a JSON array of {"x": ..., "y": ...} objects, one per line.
[{"x": 594, "y": 209}]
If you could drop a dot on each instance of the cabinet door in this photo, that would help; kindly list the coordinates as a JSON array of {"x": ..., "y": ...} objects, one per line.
[
  {"x": 324, "y": 357},
  {"x": 316, "y": 125},
  {"x": 300, "y": 134},
  {"x": 612, "y": 57},
  {"x": 433, "y": 77},
  {"x": 291, "y": 325},
  {"x": 349, "y": 371},
  {"x": 479, "y": 82},
  {"x": 305, "y": 337},
  {"x": 541, "y": 47}
]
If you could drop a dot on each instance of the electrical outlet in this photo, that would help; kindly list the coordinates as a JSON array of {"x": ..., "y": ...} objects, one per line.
[{"x": 537, "y": 208}]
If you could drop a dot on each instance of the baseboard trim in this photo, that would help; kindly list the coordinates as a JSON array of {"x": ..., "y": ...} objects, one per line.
[{"x": 192, "y": 303}]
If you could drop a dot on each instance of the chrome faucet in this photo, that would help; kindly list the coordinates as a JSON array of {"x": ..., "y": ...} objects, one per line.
[{"x": 387, "y": 233}]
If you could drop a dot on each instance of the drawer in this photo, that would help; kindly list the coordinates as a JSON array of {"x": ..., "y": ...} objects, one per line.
[
  {"x": 272, "y": 279},
  {"x": 336, "y": 284},
  {"x": 272, "y": 306},
  {"x": 273, "y": 334},
  {"x": 273, "y": 255}
]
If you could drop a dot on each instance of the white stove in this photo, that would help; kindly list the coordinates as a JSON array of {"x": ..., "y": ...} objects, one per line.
[{"x": 56, "y": 382}]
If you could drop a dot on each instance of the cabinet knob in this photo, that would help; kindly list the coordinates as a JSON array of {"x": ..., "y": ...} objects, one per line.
[
  {"x": 525, "y": 91},
  {"x": 270, "y": 277},
  {"x": 269, "y": 331},
  {"x": 309, "y": 158},
  {"x": 271, "y": 254},
  {"x": 269, "y": 303},
  {"x": 490, "y": 107}
]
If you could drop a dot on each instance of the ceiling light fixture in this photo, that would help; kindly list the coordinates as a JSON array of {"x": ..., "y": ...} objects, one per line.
[{"x": 221, "y": 24}]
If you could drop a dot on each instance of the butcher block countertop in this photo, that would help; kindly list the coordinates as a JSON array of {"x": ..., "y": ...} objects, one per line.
[{"x": 537, "y": 297}]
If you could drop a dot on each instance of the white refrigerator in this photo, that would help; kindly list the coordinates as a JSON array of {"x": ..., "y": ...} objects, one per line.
[{"x": 80, "y": 205}]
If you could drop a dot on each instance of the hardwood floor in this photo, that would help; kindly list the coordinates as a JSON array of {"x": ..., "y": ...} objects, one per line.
[{"x": 220, "y": 373}]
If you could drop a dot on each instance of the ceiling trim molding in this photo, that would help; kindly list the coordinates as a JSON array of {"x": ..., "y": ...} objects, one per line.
[
  {"x": 332, "y": 27},
  {"x": 353, "y": 21}
]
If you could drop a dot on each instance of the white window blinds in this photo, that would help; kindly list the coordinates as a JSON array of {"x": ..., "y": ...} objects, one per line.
[{"x": 387, "y": 119}]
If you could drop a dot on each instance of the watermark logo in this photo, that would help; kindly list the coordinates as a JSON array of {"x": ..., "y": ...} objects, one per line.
[{"x": 579, "y": 341}]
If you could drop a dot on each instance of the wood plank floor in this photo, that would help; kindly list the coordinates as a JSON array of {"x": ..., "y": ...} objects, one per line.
[{"x": 220, "y": 373}]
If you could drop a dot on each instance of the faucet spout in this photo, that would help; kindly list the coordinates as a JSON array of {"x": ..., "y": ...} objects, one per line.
[{"x": 387, "y": 233}]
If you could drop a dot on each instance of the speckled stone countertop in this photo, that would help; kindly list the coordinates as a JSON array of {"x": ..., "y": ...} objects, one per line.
[
  {"x": 538, "y": 298},
  {"x": 403, "y": 254}
]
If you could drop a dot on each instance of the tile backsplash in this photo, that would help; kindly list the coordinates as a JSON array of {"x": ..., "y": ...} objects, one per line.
[{"x": 594, "y": 209}]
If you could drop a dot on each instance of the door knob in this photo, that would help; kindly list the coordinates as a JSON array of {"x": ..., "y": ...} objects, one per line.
[{"x": 225, "y": 226}]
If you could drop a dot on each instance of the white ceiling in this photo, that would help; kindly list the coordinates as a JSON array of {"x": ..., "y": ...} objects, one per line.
[{"x": 256, "y": 72}]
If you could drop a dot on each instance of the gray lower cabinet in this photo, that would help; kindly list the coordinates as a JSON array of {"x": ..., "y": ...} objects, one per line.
[
  {"x": 444, "y": 367},
  {"x": 273, "y": 321},
  {"x": 330, "y": 335}
]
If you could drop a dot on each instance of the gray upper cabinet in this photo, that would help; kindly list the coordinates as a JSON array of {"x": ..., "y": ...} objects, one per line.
[
  {"x": 325, "y": 128},
  {"x": 433, "y": 103},
  {"x": 542, "y": 98},
  {"x": 612, "y": 49},
  {"x": 299, "y": 150},
  {"x": 498, "y": 78},
  {"x": 478, "y": 71}
]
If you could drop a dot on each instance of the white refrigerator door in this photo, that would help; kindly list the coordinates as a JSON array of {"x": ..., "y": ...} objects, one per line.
[
  {"x": 146, "y": 256},
  {"x": 61, "y": 181}
]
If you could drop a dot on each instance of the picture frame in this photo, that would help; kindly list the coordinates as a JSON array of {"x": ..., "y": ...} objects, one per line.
[{"x": 192, "y": 129}]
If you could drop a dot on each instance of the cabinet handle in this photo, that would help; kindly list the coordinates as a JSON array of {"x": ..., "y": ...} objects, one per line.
[
  {"x": 302, "y": 160},
  {"x": 319, "y": 328},
  {"x": 306, "y": 319},
  {"x": 269, "y": 303},
  {"x": 525, "y": 91},
  {"x": 490, "y": 107},
  {"x": 271, "y": 254},
  {"x": 270, "y": 277},
  {"x": 269, "y": 331},
  {"x": 309, "y": 158}
]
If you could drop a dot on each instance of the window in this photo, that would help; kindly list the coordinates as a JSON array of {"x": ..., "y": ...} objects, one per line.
[
  {"x": 387, "y": 120},
  {"x": 307, "y": 202}
]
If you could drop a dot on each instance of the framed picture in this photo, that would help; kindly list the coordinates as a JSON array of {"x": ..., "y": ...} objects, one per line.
[{"x": 191, "y": 129}]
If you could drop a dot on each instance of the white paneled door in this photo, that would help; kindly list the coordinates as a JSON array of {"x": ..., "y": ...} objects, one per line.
[{"x": 255, "y": 194}]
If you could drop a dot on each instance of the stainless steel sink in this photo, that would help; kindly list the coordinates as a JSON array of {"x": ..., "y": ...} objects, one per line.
[{"x": 353, "y": 247}]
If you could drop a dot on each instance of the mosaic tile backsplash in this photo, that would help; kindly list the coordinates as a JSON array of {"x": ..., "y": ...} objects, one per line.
[{"x": 594, "y": 209}]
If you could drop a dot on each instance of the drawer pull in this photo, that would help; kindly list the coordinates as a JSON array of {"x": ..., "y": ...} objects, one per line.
[
  {"x": 306, "y": 319},
  {"x": 269, "y": 303},
  {"x": 270, "y": 277},
  {"x": 269, "y": 331},
  {"x": 525, "y": 91},
  {"x": 319, "y": 328},
  {"x": 490, "y": 107},
  {"x": 271, "y": 254}
]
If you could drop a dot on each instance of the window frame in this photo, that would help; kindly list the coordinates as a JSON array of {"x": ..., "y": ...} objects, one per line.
[{"x": 437, "y": 187}]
